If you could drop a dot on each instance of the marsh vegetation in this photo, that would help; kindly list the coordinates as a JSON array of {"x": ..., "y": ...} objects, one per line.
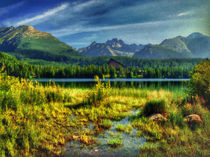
[{"x": 37, "y": 120}]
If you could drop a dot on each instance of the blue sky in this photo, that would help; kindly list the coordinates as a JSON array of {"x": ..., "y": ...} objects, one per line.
[{"x": 80, "y": 22}]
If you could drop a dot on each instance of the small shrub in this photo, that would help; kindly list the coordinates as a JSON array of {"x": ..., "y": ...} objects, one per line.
[
  {"x": 154, "y": 106},
  {"x": 99, "y": 93},
  {"x": 188, "y": 109}
]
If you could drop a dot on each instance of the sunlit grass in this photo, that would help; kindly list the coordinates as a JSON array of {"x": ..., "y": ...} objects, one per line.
[
  {"x": 115, "y": 142},
  {"x": 35, "y": 119}
]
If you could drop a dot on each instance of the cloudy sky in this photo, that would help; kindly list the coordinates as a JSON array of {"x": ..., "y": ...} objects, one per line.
[{"x": 80, "y": 22}]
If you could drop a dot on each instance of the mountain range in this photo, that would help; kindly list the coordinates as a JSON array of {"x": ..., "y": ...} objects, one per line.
[
  {"x": 194, "y": 45},
  {"x": 27, "y": 42},
  {"x": 114, "y": 47}
]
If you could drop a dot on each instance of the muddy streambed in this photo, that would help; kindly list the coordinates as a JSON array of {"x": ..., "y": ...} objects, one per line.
[{"x": 130, "y": 146}]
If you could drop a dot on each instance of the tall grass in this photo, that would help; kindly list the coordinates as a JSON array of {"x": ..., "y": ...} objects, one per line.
[
  {"x": 35, "y": 122},
  {"x": 28, "y": 120},
  {"x": 98, "y": 93},
  {"x": 177, "y": 119},
  {"x": 154, "y": 106}
]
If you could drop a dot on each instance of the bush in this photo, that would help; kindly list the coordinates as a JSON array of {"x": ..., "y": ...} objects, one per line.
[
  {"x": 154, "y": 106},
  {"x": 100, "y": 92},
  {"x": 188, "y": 109},
  {"x": 200, "y": 82}
]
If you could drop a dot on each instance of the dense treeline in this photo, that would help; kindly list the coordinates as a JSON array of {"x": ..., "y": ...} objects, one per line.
[
  {"x": 171, "y": 68},
  {"x": 127, "y": 61}
]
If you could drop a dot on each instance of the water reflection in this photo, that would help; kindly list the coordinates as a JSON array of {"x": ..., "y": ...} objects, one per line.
[{"x": 172, "y": 85}]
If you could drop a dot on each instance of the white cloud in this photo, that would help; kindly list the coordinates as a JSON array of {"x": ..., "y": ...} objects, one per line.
[
  {"x": 44, "y": 15},
  {"x": 82, "y": 6},
  {"x": 81, "y": 29},
  {"x": 185, "y": 13}
]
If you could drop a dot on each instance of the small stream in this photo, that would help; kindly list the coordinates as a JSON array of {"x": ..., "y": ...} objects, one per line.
[{"x": 130, "y": 147}]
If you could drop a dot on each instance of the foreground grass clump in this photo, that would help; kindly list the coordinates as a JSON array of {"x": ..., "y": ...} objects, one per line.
[
  {"x": 121, "y": 127},
  {"x": 154, "y": 106},
  {"x": 105, "y": 124},
  {"x": 115, "y": 142},
  {"x": 177, "y": 119},
  {"x": 100, "y": 92}
]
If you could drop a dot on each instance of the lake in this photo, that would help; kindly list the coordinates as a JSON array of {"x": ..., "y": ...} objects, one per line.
[{"x": 150, "y": 83}]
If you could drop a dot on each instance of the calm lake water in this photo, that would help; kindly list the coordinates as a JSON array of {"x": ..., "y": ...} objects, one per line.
[
  {"x": 131, "y": 143},
  {"x": 168, "y": 84}
]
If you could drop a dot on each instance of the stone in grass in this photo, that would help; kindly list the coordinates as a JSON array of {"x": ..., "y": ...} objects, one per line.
[
  {"x": 157, "y": 117},
  {"x": 193, "y": 119}
]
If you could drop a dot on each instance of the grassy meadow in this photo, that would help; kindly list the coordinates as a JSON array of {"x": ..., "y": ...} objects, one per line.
[{"x": 38, "y": 120}]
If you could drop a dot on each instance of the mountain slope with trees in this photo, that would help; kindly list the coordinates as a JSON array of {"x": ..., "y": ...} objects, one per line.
[{"x": 26, "y": 41}]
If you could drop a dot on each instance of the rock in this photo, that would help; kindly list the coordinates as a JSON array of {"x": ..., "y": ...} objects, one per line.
[
  {"x": 193, "y": 119},
  {"x": 157, "y": 117}
]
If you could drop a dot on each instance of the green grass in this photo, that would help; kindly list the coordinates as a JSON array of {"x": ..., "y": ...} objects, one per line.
[
  {"x": 105, "y": 124},
  {"x": 121, "y": 127},
  {"x": 35, "y": 120},
  {"x": 177, "y": 119},
  {"x": 115, "y": 142},
  {"x": 154, "y": 106}
]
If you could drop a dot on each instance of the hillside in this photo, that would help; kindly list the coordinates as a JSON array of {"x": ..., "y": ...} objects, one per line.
[
  {"x": 114, "y": 47},
  {"x": 26, "y": 41},
  {"x": 195, "y": 45},
  {"x": 159, "y": 52},
  {"x": 199, "y": 45}
]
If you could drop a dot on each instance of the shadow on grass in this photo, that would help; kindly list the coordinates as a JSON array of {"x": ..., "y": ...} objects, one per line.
[{"x": 77, "y": 106}]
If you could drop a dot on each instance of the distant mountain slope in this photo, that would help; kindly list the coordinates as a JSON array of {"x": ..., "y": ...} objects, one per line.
[
  {"x": 199, "y": 45},
  {"x": 28, "y": 42},
  {"x": 114, "y": 47},
  {"x": 195, "y": 45},
  {"x": 176, "y": 44},
  {"x": 159, "y": 52}
]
